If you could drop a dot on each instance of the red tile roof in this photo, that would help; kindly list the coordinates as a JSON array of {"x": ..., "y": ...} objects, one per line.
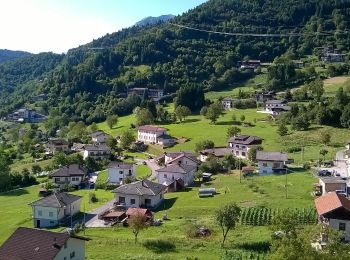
[
  {"x": 331, "y": 201},
  {"x": 134, "y": 211}
]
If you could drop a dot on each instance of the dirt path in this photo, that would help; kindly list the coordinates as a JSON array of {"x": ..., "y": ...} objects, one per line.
[{"x": 335, "y": 80}]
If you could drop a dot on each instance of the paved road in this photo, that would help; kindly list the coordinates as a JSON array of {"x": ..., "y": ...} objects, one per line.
[
  {"x": 340, "y": 165},
  {"x": 92, "y": 216},
  {"x": 151, "y": 163}
]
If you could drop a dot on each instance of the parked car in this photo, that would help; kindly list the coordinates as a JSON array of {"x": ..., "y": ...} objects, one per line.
[{"x": 324, "y": 173}]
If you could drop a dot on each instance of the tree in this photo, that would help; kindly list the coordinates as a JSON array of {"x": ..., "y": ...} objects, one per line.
[
  {"x": 112, "y": 143},
  {"x": 60, "y": 159},
  {"x": 198, "y": 175},
  {"x": 301, "y": 122},
  {"x": 227, "y": 218},
  {"x": 229, "y": 162},
  {"x": 137, "y": 222},
  {"x": 325, "y": 137},
  {"x": 126, "y": 139},
  {"x": 242, "y": 118},
  {"x": 286, "y": 221},
  {"x": 202, "y": 145},
  {"x": 252, "y": 153},
  {"x": 112, "y": 120},
  {"x": 5, "y": 180},
  {"x": 203, "y": 111},
  {"x": 191, "y": 96},
  {"x": 323, "y": 152},
  {"x": 182, "y": 112},
  {"x": 316, "y": 88},
  {"x": 214, "y": 111},
  {"x": 144, "y": 117},
  {"x": 234, "y": 118},
  {"x": 36, "y": 169},
  {"x": 233, "y": 131},
  {"x": 282, "y": 129}
]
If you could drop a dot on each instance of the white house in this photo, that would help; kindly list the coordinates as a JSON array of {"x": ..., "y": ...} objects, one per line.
[
  {"x": 97, "y": 151},
  {"x": 275, "y": 107},
  {"x": 140, "y": 194},
  {"x": 334, "y": 210},
  {"x": 271, "y": 162},
  {"x": 55, "y": 209},
  {"x": 175, "y": 172},
  {"x": 227, "y": 103},
  {"x": 154, "y": 135},
  {"x": 73, "y": 174},
  {"x": 186, "y": 158},
  {"x": 100, "y": 137},
  {"x": 118, "y": 171},
  {"x": 29, "y": 243},
  {"x": 241, "y": 144}
]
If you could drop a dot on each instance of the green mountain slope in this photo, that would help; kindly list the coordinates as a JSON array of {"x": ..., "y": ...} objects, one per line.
[
  {"x": 89, "y": 81},
  {"x": 8, "y": 55}
]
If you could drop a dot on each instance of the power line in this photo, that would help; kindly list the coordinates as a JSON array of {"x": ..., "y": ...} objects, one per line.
[{"x": 252, "y": 34}]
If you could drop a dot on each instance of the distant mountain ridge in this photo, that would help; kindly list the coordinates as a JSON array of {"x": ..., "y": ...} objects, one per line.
[
  {"x": 153, "y": 20},
  {"x": 8, "y": 55}
]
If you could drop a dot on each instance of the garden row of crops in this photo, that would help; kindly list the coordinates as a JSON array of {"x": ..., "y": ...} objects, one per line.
[{"x": 260, "y": 216}]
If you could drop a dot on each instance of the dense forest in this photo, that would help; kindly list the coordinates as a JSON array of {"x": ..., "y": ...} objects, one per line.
[
  {"x": 90, "y": 82},
  {"x": 8, "y": 55}
]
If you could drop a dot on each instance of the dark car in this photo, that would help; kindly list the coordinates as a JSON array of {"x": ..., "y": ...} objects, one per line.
[{"x": 324, "y": 173}]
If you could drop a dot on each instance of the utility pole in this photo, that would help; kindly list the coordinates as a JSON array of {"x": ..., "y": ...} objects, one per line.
[
  {"x": 240, "y": 171},
  {"x": 84, "y": 219},
  {"x": 286, "y": 184}
]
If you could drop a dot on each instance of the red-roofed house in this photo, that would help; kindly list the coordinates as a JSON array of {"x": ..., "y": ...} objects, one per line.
[{"x": 334, "y": 210}]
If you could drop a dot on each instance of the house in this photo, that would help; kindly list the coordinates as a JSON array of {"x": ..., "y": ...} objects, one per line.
[
  {"x": 40, "y": 97},
  {"x": 334, "y": 57},
  {"x": 57, "y": 145},
  {"x": 330, "y": 184},
  {"x": 265, "y": 96},
  {"x": 35, "y": 244},
  {"x": 119, "y": 171},
  {"x": 334, "y": 210},
  {"x": 73, "y": 174},
  {"x": 298, "y": 64},
  {"x": 154, "y": 135},
  {"x": 140, "y": 194},
  {"x": 96, "y": 151},
  {"x": 27, "y": 116},
  {"x": 144, "y": 212},
  {"x": 55, "y": 209},
  {"x": 187, "y": 158},
  {"x": 217, "y": 152},
  {"x": 227, "y": 103},
  {"x": 241, "y": 144},
  {"x": 271, "y": 162},
  {"x": 78, "y": 147},
  {"x": 154, "y": 94},
  {"x": 100, "y": 137},
  {"x": 251, "y": 64},
  {"x": 180, "y": 173}
]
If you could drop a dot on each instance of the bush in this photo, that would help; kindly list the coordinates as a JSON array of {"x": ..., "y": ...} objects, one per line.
[
  {"x": 294, "y": 149},
  {"x": 92, "y": 197},
  {"x": 110, "y": 186}
]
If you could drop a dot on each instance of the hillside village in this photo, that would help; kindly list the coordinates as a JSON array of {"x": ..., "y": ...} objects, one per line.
[{"x": 253, "y": 164}]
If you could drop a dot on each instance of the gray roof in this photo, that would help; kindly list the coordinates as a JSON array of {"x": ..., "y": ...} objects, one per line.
[
  {"x": 70, "y": 170},
  {"x": 276, "y": 101},
  {"x": 219, "y": 152},
  {"x": 151, "y": 128},
  {"x": 97, "y": 147},
  {"x": 333, "y": 180},
  {"x": 271, "y": 156},
  {"x": 177, "y": 168},
  {"x": 165, "y": 137},
  {"x": 245, "y": 139},
  {"x": 57, "y": 200},
  {"x": 120, "y": 165},
  {"x": 99, "y": 133},
  {"x": 58, "y": 141},
  {"x": 178, "y": 155},
  {"x": 143, "y": 187}
]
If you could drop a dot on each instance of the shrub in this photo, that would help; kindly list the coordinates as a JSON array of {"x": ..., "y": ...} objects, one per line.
[
  {"x": 92, "y": 197},
  {"x": 294, "y": 149}
]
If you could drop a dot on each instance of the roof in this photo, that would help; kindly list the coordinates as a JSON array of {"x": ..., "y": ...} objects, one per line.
[
  {"x": 120, "y": 165},
  {"x": 245, "y": 139},
  {"x": 165, "y": 137},
  {"x": 330, "y": 202},
  {"x": 151, "y": 128},
  {"x": 99, "y": 133},
  {"x": 276, "y": 101},
  {"x": 228, "y": 99},
  {"x": 333, "y": 180},
  {"x": 97, "y": 147},
  {"x": 271, "y": 156},
  {"x": 34, "y": 244},
  {"x": 56, "y": 200},
  {"x": 58, "y": 141},
  {"x": 134, "y": 211},
  {"x": 177, "y": 168},
  {"x": 70, "y": 170},
  {"x": 218, "y": 152},
  {"x": 143, "y": 187},
  {"x": 178, "y": 155},
  {"x": 248, "y": 169}
]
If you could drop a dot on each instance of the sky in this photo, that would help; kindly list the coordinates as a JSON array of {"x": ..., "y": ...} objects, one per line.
[{"x": 58, "y": 25}]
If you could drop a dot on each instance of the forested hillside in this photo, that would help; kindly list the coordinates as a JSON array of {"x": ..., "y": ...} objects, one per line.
[
  {"x": 90, "y": 81},
  {"x": 7, "y": 55}
]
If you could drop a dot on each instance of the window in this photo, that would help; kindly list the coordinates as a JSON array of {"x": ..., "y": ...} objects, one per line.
[
  {"x": 65, "y": 245},
  {"x": 243, "y": 153},
  {"x": 342, "y": 226},
  {"x": 40, "y": 213},
  {"x": 121, "y": 199},
  {"x": 120, "y": 172},
  {"x": 264, "y": 164},
  {"x": 165, "y": 176},
  {"x": 57, "y": 179},
  {"x": 50, "y": 214},
  {"x": 72, "y": 255},
  {"x": 132, "y": 201}
]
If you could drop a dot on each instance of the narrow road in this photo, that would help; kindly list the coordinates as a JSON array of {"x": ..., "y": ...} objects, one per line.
[{"x": 92, "y": 216}]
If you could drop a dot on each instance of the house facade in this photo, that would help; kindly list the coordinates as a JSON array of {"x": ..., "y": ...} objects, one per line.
[
  {"x": 35, "y": 244},
  {"x": 140, "y": 194},
  {"x": 227, "y": 103},
  {"x": 154, "y": 135},
  {"x": 276, "y": 107},
  {"x": 96, "y": 151},
  {"x": 100, "y": 137},
  {"x": 334, "y": 210},
  {"x": 57, "y": 145},
  {"x": 271, "y": 162},
  {"x": 55, "y": 209},
  {"x": 217, "y": 152},
  {"x": 241, "y": 144},
  {"x": 73, "y": 174},
  {"x": 330, "y": 184},
  {"x": 119, "y": 171},
  {"x": 27, "y": 115}
]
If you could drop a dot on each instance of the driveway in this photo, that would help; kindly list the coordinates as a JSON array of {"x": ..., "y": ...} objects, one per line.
[
  {"x": 151, "y": 163},
  {"x": 92, "y": 216},
  {"x": 340, "y": 165}
]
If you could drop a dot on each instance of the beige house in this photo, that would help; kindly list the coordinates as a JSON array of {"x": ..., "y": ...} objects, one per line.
[
  {"x": 36, "y": 244},
  {"x": 56, "y": 145},
  {"x": 119, "y": 171},
  {"x": 96, "y": 151},
  {"x": 73, "y": 174},
  {"x": 55, "y": 209},
  {"x": 154, "y": 135},
  {"x": 271, "y": 162},
  {"x": 330, "y": 184},
  {"x": 140, "y": 194},
  {"x": 334, "y": 210},
  {"x": 241, "y": 144}
]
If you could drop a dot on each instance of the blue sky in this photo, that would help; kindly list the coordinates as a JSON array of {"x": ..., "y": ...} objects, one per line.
[{"x": 58, "y": 25}]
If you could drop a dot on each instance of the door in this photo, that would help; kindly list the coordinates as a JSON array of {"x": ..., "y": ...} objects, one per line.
[
  {"x": 148, "y": 202},
  {"x": 38, "y": 223}
]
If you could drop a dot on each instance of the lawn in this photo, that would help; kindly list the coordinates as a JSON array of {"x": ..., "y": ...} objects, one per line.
[{"x": 142, "y": 171}]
